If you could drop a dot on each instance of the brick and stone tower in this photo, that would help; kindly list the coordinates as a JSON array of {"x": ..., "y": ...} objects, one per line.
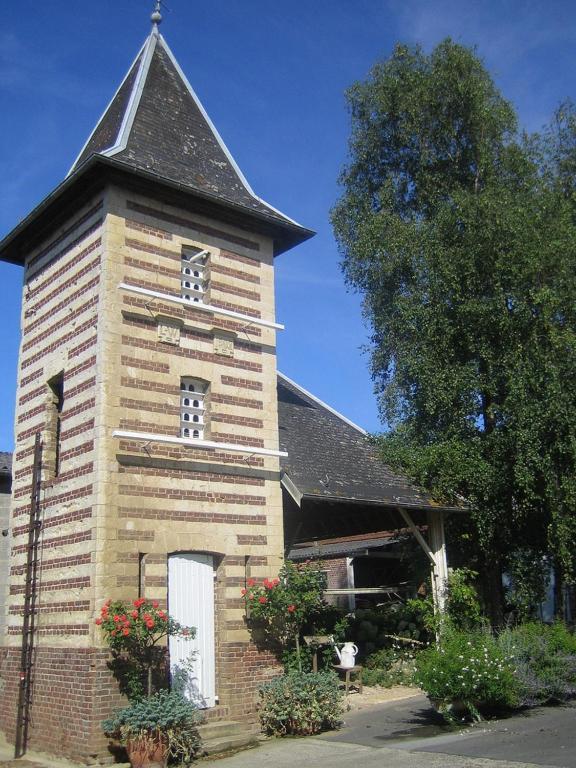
[{"x": 148, "y": 367}]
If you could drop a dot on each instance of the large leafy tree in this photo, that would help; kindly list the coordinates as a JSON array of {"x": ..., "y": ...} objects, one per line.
[{"x": 460, "y": 234}]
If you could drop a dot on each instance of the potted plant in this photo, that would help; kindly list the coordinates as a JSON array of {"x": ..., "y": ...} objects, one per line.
[{"x": 156, "y": 727}]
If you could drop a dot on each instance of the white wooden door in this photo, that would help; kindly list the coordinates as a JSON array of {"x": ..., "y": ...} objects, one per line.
[{"x": 191, "y": 602}]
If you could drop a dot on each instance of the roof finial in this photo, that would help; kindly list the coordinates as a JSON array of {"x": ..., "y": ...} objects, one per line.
[{"x": 156, "y": 17}]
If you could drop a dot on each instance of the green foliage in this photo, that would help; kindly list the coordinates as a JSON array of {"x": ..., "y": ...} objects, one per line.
[
  {"x": 391, "y": 666},
  {"x": 134, "y": 632},
  {"x": 460, "y": 234},
  {"x": 462, "y": 603},
  {"x": 167, "y": 717},
  {"x": 468, "y": 668},
  {"x": 281, "y": 607},
  {"x": 529, "y": 574},
  {"x": 376, "y": 628},
  {"x": 545, "y": 661},
  {"x": 301, "y": 704}
]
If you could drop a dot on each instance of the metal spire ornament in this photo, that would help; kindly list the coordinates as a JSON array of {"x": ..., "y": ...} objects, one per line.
[{"x": 156, "y": 17}]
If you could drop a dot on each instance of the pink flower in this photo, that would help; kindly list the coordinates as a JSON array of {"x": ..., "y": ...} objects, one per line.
[
  {"x": 134, "y": 614},
  {"x": 155, "y": 604},
  {"x": 242, "y": 591},
  {"x": 116, "y": 618},
  {"x": 291, "y": 608},
  {"x": 262, "y": 600},
  {"x": 98, "y": 621},
  {"x": 251, "y": 582}
]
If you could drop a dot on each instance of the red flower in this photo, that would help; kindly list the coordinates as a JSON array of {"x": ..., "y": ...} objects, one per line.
[
  {"x": 147, "y": 617},
  {"x": 125, "y": 631},
  {"x": 150, "y": 624},
  {"x": 134, "y": 614},
  {"x": 291, "y": 608},
  {"x": 162, "y": 615},
  {"x": 262, "y": 600},
  {"x": 123, "y": 617},
  {"x": 98, "y": 621},
  {"x": 139, "y": 602},
  {"x": 116, "y": 618},
  {"x": 251, "y": 582},
  {"x": 242, "y": 591},
  {"x": 114, "y": 633},
  {"x": 155, "y": 604}
]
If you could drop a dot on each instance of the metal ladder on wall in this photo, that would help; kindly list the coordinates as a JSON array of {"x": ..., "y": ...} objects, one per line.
[{"x": 30, "y": 609}]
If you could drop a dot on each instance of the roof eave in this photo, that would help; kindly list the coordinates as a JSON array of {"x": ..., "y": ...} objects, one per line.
[
  {"x": 98, "y": 170},
  {"x": 388, "y": 503}
]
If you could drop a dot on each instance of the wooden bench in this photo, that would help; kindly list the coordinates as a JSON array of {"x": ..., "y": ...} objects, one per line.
[{"x": 348, "y": 671}]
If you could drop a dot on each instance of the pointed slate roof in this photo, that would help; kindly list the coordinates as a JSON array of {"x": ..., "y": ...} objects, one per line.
[
  {"x": 155, "y": 122},
  {"x": 156, "y": 137}
]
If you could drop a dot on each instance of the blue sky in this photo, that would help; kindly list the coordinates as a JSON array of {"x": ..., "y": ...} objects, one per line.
[{"x": 272, "y": 77}]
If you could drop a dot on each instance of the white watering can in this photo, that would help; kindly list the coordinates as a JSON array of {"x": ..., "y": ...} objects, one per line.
[{"x": 347, "y": 655}]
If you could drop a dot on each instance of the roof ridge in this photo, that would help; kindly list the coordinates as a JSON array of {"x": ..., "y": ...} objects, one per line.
[
  {"x": 111, "y": 102},
  {"x": 322, "y": 403}
]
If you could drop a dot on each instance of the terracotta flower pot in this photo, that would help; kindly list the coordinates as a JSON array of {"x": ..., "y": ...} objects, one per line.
[{"x": 147, "y": 752}]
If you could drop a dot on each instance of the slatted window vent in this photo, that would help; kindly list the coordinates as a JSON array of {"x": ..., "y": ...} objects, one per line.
[
  {"x": 193, "y": 403},
  {"x": 195, "y": 275}
]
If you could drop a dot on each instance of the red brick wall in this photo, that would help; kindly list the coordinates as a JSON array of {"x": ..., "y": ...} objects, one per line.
[
  {"x": 243, "y": 670},
  {"x": 73, "y": 692},
  {"x": 337, "y": 573}
]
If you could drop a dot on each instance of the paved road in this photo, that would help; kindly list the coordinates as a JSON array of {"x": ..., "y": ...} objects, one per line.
[
  {"x": 544, "y": 736},
  {"x": 409, "y": 734}
]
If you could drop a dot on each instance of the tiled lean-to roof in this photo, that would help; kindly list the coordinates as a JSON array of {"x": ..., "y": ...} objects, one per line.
[
  {"x": 155, "y": 122},
  {"x": 331, "y": 458},
  {"x": 5, "y": 463}
]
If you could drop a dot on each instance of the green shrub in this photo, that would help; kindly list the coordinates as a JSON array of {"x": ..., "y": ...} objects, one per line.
[
  {"x": 300, "y": 704},
  {"x": 391, "y": 666},
  {"x": 467, "y": 668},
  {"x": 545, "y": 661},
  {"x": 462, "y": 603},
  {"x": 375, "y": 628}
]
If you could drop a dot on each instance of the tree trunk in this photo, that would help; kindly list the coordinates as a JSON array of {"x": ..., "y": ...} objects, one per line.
[
  {"x": 493, "y": 592},
  {"x": 297, "y": 638}
]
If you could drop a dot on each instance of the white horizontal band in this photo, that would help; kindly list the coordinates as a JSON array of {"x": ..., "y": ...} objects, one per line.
[
  {"x": 207, "y": 444},
  {"x": 201, "y": 307}
]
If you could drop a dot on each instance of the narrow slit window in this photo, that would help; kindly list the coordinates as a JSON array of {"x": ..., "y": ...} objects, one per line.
[{"x": 56, "y": 386}]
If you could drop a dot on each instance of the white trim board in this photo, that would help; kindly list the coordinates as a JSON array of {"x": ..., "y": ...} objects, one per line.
[
  {"x": 202, "y": 444},
  {"x": 322, "y": 403},
  {"x": 201, "y": 307}
]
